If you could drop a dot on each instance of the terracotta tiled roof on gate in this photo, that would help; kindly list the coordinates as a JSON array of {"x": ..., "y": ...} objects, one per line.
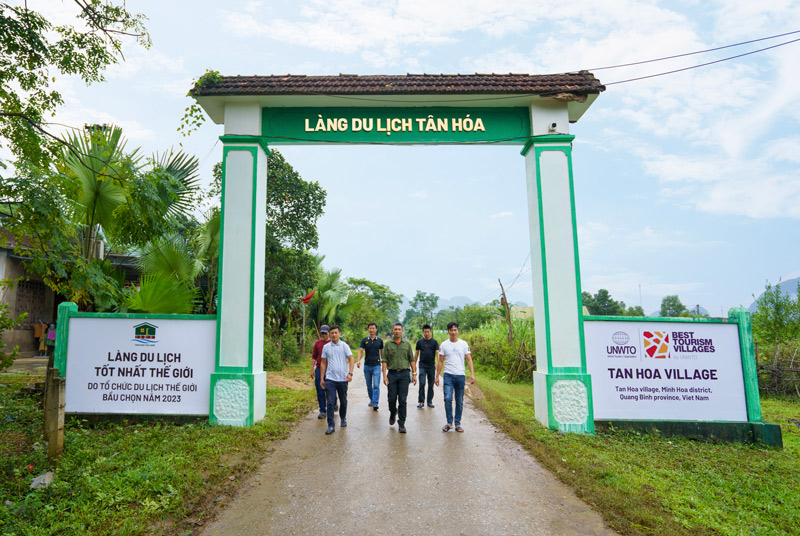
[{"x": 566, "y": 85}]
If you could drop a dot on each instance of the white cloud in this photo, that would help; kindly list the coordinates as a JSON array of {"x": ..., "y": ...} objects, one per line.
[
  {"x": 501, "y": 215},
  {"x": 422, "y": 194}
]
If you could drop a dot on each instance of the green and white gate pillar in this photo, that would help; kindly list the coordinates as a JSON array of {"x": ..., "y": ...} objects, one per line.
[
  {"x": 562, "y": 387},
  {"x": 239, "y": 383}
]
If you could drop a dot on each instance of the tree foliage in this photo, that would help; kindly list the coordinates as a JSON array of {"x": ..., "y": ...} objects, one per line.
[
  {"x": 777, "y": 316},
  {"x": 55, "y": 216},
  {"x": 33, "y": 50},
  {"x": 601, "y": 303},
  {"x": 378, "y": 304},
  {"x": 671, "y": 306}
]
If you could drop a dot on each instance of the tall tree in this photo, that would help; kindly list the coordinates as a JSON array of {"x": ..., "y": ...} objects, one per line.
[
  {"x": 777, "y": 316},
  {"x": 33, "y": 51},
  {"x": 603, "y": 304},
  {"x": 379, "y": 304},
  {"x": 671, "y": 306}
]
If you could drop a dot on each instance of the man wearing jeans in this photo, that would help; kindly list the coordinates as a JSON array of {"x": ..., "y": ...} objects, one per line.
[
  {"x": 452, "y": 354},
  {"x": 372, "y": 347},
  {"x": 336, "y": 370},
  {"x": 316, "y": 356},
  {"x": 427, "y": 352},
  {"x": 397, "y": 356}
]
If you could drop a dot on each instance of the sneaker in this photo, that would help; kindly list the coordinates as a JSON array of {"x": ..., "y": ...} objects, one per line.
[
  {"x": 330, "y": 430},
  {"x": 370, "y": 404},
  {"x": 392, "y": 417},
  {"x": 322, "y": 415},
  {"x": 420, "y": 405},
  {"x": 374, "y": 408},
  {"x": 431, "y": 406},
  {"x": 402, "y": 429},
  {"x": 344, "y": 423}
]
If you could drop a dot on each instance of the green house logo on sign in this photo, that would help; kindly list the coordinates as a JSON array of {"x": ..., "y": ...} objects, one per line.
[{"x": 145, "y": 333}]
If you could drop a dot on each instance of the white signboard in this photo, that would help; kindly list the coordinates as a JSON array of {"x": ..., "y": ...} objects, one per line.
[
  {"x": 678, "y": 371},
  {"x": 155, "y": 366}
]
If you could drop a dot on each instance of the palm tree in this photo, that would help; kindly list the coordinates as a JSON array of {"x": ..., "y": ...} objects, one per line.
[{"x": 332, "y": 304}]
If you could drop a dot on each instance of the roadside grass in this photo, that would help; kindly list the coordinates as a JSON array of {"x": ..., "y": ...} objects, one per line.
[
  {"x": 127, "y": 477},
  {"x": 646, "y": 484}
]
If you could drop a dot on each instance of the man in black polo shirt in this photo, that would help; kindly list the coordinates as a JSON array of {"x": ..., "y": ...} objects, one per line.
[
  {"x": 372, "y": 346},
  {"x": 427, "y": 352}
]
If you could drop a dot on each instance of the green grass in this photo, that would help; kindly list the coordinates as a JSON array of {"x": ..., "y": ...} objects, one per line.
[
  {"x": 127, "y": 478},
  {"x": 646, "y": 484}
]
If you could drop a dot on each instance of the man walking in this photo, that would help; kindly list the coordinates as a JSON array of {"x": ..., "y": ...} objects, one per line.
[
  {"x": 336, "y": 370},
  {"x": 452, "y": 354},
  {"x": 372, "y": 347},
  {"x": 397, "y": 357},
  {"x": 427, "y": 352},
  {"x": 316, "y": 356}
]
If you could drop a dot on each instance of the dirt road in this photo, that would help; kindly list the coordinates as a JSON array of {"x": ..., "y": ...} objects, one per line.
[{"x": 369, "y": 479}]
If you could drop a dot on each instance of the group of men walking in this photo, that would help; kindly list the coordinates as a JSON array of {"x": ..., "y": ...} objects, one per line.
[{"x": 396, "y": 364}]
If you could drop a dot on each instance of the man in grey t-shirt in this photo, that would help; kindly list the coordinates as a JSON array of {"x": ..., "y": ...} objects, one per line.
[{"x": 336, "y": 369}]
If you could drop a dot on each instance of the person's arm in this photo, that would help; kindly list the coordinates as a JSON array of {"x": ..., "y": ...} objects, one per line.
[
  {"x": 350, "y": 362},
  {"x": 323, "y": 366},
  {"x": 383, "y": 370},
  {"x": 471, "y": 368},
  {"x": 360, "y": 354},
  {"x": 439, "y": 367},
  {"x": 313, "y": 359},
  {"x": 413, "y": 362},
  {"x": 416, "y": 355}
]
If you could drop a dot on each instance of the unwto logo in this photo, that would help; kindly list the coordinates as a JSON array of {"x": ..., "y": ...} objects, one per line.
[{"x": 656, "y": 344}]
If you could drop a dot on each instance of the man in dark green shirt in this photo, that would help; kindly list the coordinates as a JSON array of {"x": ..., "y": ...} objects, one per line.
[{"x": 395, "y": 362}]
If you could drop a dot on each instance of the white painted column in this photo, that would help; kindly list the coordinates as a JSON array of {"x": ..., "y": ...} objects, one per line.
[
  {"x": 238, "y": 386},
  {"x": 562, "y": 388}
]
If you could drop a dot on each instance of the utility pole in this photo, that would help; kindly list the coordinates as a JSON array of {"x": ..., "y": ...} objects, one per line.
[{"x": 504, "y": 301}]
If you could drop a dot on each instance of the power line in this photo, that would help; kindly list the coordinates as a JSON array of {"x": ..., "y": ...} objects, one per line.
[
  {"x": 702, "y": 64},
  {"x": 694, "y": 53}
]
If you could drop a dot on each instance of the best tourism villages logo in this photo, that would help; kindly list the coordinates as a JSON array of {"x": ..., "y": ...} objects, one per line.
[
  {"x": 657, "y": 345},
  {"x": 144, "y": 334}
]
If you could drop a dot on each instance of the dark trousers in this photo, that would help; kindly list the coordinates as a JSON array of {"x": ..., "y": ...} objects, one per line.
[
  {"x": 426, "y": 374},
  {"x": 398, "y": 392},
  {"x": 332, "y": 390},
  {"x": 323, "y": 405}
]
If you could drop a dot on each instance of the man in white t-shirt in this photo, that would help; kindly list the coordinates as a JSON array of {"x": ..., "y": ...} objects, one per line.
[{"x": 452, "y": 354}]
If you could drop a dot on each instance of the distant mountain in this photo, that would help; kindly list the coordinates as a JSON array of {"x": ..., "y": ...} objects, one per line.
[
  {"x": 787, "y": 287},
  {"x": 455, "y": 301}
]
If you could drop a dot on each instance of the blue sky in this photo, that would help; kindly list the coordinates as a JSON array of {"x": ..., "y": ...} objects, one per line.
[{"x": 685, "y": 184}]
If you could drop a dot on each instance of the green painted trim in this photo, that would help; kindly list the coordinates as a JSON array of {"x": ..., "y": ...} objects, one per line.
[
  {"x": 548, "y": 138},
  {"x": 253, "y": 289},
  {"x": 568, "y": 154},
  {"x": 143, "y": 315},
  {"x": 65, "y": 311},
  {"x": 237, "y": 139},
  {"x": 567, "y": 370},
  {"x": 220, "y": 291},
  {"x": 721, "y": 431},
  {"x": 545, "y": 294},
  {"x": 741, "y": 316},
  {"x": 601, "y": 318}
]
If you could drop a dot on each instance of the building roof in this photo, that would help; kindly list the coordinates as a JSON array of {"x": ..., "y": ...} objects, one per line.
[{"x": 567, "y": 86}]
